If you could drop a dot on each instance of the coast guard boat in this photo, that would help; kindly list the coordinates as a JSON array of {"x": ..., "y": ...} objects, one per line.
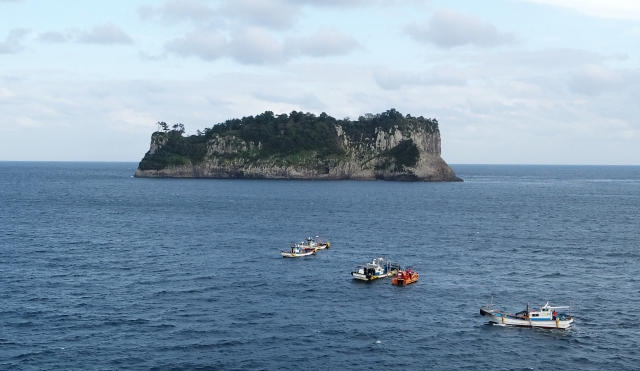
[
  {"x": 546, "y": 317},
  {"x": 378, "y": 268}
]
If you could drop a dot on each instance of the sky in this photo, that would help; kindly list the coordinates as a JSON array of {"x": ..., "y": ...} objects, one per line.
[{"x": 510, "y": 81}]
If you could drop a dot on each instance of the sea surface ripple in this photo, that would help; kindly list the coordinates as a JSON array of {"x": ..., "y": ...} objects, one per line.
[{"x": 103, "y": 271}]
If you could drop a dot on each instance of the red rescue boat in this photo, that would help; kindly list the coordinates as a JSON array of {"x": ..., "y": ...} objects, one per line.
[{"x": 405, "y": 277}]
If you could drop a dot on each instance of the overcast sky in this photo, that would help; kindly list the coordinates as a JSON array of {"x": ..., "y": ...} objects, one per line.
[{"x": 510, "y": 81}]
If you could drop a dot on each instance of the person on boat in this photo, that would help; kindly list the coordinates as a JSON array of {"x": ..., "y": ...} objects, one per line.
[{"x": 554, "y": 314}]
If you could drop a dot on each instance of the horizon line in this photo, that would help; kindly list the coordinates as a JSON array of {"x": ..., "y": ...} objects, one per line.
[{"x": 450, "y": 164}]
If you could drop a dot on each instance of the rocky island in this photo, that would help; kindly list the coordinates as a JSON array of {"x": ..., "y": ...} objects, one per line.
[{"x": 387, "y": 146}]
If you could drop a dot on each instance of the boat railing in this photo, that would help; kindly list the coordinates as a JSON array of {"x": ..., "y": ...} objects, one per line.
[
  {"x": 488, "y": 307},
  {"x": 393, "y": 267}
]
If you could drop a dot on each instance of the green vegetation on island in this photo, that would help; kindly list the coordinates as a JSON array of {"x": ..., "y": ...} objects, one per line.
[{"x": 296, "y": 136}]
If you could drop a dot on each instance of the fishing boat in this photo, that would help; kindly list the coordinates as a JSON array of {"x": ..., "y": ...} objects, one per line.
[
  {"x": 546, "y": 317},
  {"x": 378, "y": 268},
  {"x": 310, "y": 243},
  {"x": 297, "y": 252},
  {"x": 322, "y": 244},
  {"x": 405, "y": 277}
]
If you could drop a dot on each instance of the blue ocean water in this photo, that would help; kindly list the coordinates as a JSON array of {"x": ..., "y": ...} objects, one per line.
[{"x": 103, "y": 271}]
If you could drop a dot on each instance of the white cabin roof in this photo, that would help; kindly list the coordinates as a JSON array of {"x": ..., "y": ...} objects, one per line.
[{"x": 546, "y": 306}]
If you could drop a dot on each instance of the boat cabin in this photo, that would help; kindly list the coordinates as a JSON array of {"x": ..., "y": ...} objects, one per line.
[
  {"x": 546, "y": 313},
  {"x": 371, "y": 269},
  {"x": 308, "y": 243},
  {"x": 378, "y": 268},
  {"x": 374, "y": 266}
]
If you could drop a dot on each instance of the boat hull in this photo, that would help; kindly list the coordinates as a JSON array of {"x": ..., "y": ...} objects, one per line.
[
  {"x": 404, "y": 282},
  {"x": 364, "y": 277},
  {"x": 296, "y": 255},
  {"x": 510, "y": 320}
]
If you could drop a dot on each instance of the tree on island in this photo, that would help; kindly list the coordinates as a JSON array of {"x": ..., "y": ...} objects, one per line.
[
  {"x": 294, "y": 134},
  {"x": 179, "y": 128},
  {"x": 163, "y": 126}
]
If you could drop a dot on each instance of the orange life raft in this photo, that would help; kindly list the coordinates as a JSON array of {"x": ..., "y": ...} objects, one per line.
[{"x": 405, "y": 277}]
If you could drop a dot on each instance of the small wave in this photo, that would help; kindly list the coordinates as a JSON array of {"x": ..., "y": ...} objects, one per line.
[
  {"x": 554, "y": 275},
  {"x": 26, "y": 355},
  {"x": 125, "y": 322},
  {"x": 163, "y": 325}
]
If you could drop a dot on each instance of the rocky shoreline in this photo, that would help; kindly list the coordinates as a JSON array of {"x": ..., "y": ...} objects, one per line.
[{"x": 430, "y": 167}]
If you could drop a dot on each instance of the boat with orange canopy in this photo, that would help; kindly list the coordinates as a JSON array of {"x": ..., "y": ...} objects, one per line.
[{"x": 405, "y": 277}]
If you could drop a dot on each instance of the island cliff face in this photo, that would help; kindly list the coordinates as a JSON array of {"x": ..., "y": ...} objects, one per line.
[{"x": 401, "y": 148}]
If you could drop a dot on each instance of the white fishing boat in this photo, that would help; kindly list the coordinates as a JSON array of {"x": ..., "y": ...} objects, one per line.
[
  {"x": 546, "y": 317},
  {"x": 310, "y": 243},
  {"x": 297, "y": 252},
  {"x": 378, "y": 268},
  {"x": 322, "y": 244}
]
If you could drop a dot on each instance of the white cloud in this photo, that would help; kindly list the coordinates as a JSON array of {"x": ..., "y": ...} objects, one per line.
[
  {"x": 247, "y": 46},
  {"x": 102, "y": 34},
  {"x": 323, "y": 43},
  {"x": 106, "y": 33},
  {"x": 392, "y": 80},
  {"x": 594, "y": 80},
  {"x": 5, "y": 94},
  {"x": 205, "y": 44},
  {"x": 152, "y": 57},
  {"x": 448, "y": 29},
  {"x": 273, "y": 14},
  {"x": 172, "y": 11},
  {"x": 131, "y": 120},
  {"x": 336, "y": 3},
  {"x": 619, "y": 9},
  {"x": 13, "y": 42},
  {"x": 254, "y": 45},
  {"x": 537, "y": 60},
  {"x": 305, "y": 102},
  {"x": 53, "y": 37}
]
